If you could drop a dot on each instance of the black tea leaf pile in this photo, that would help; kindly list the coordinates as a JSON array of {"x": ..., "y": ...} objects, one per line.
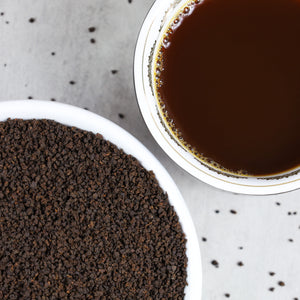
[{"x": 80, "y": 219}]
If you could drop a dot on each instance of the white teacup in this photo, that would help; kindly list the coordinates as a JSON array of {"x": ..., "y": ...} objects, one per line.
[{"x": 156, "y": 23}]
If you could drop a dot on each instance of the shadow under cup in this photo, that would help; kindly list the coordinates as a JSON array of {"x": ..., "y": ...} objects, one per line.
[{"x": 157, "y": 22}]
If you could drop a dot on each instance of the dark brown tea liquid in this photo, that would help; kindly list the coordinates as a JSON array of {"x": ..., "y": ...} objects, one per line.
[{"x": 229, "y": 73}]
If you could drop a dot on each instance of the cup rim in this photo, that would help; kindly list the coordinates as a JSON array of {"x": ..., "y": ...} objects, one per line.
[
  {"x": 74, "y": 116},
  {"x": 243, "y": 185}
]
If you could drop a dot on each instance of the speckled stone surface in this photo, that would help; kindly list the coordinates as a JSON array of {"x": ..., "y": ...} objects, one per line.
[{"x": 250, "y": 245}]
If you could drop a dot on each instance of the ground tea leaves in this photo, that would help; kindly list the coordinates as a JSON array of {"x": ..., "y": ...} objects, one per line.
[{"x": 80, "y": 219}]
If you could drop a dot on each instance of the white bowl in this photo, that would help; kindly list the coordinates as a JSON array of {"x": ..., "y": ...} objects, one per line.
[
  {"x": 154, "y": 26},
  {"x": 80, "y": 118}
]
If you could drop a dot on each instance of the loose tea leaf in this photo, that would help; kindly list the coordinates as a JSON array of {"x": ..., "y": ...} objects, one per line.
[{"x": 80, "y": 219}]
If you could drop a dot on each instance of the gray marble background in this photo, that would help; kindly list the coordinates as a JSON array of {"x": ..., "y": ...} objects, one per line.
[{"x": 39, "y": 59}]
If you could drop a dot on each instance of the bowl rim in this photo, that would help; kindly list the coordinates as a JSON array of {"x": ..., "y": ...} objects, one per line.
[
  {"x": 74, "y": 116},
  {"x": 244, "y": 185}
]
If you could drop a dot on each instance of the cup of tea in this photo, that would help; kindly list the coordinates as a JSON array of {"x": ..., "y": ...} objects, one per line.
[{"x": 217, "y": 83}]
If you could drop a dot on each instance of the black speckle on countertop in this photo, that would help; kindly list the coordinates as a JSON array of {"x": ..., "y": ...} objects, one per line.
[
  {"x": 53, "y": 99},
  {"x": 31, "y": 20},
  {"x": 240, "y": 264},
  {"x": 271, "y": 289},
  {"x": 215, "y": 263},
  {"x": 121, "y": 116},
  {"x": 272, "y": 273},
  {"x": 93, "y": 41},
  {"x": 30, "y": 97},
  {"x": 72, "y": 82},
  {"x": 217, "y": 211},
  {"x": 281, "y": 283},
  {"x": 232, "y": 211},
  {"x": 227, "y": 295},
  {"x": 92, "y": 29},
  {"x": 204, "y": 239},
  {"x": 114, "y": 72}
]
